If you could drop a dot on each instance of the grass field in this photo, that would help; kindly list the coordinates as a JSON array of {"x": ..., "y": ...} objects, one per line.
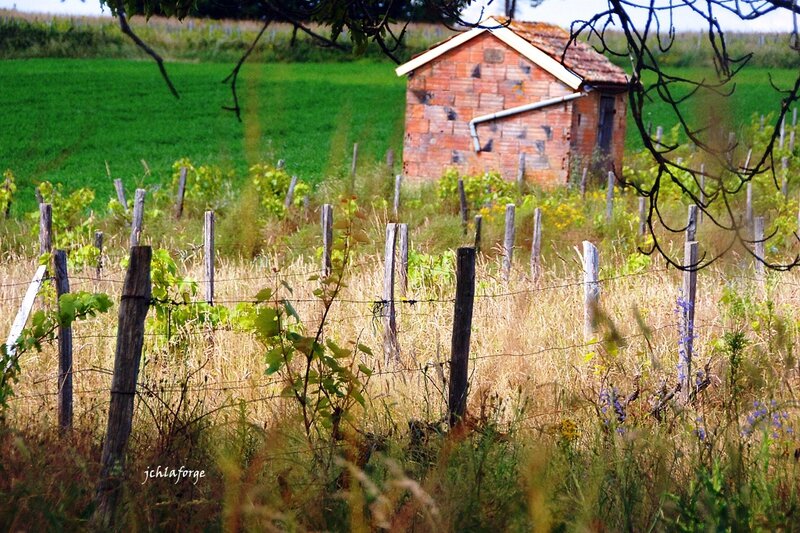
[
  {"x": 79, "y": 114},
  {"x": 66, "y": 118}
]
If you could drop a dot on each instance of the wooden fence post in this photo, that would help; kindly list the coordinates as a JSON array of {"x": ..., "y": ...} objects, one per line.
[
  {"x": 327, "y": 239},
  {"x": 281, "y": 164},
  {"x": 462, "y": 327},
  {"x": 610, "y": 196},
  {"x": 403, "y": 230},
  {"x": 642, "y": 216},
  {"x": 390, "y": 159},
  {"x": 24, "y": 312},
  {"x": 591, "y": 288},
  {"x": 287, "y": 203},
  {"x": 583, "y": 181},
  {"x": 782, "y": 135},
  {"x": 98, "y": 244},
  {"x": 748, "y": 208},
  {"x": 462, "y": 198},
  {"x": 181, "y": 193},
  {"x": 659, "y": 135},
  {"x": 758, "y": 249},
  {"x": 138, "y": 217},
  {"x": 398, "y": 180},
  {"x": 64, "y": 345},
  {"x": 508, "y": 241},
  {"x": 791, "y": 141},
  {"x": 133, "y": 307},
  {"x": 478, "y": 225},
  {"x": 121, "y": 194},
  {"x": 536, "y": 245},
  {"x": 687, "y": 310},
  {"x": 208, "y": 256},
  {"x": 45, "y": 228},
  {"x": 794, "y": 117},
  {"x": 691, "y": 223},
  {"x": 521, "y": 172},
  {"x": 355, "y": 160},
  {"x": 390, "y": 348}
]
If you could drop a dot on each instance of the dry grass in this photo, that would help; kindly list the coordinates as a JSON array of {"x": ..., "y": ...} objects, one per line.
[{"x": 526, "y": 337}]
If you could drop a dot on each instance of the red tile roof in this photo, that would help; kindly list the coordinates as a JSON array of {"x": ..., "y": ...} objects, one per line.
[{"x": 580, "y": 58}]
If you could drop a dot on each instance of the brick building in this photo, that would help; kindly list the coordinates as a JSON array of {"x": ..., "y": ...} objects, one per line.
[{"x": 481, "y": 98}]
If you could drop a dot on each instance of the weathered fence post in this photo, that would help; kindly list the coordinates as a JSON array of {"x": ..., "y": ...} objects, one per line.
[
  {"x": 403, "y": 230},
  {"x": 208, "y": 256},
  {"x": 691, "y": 223},
  {"x": 327, "y": 239},
  {"x": 642, "y": 216},
  {"x": 64, "y": 345},
  {"x": 686, "y": 304},
  {"x": 782, "y": 136},
  {"x": 181, "y": 193},
  {"x": 583, "y": 182},
  {"x": 659, "y": 135},
  {"x": 355, "y": 160},
  {"x": 462, "y": 199},
  {"x": 390, "y": 159},
  {"x": 478, "y": 227},
  {"x": 390, "y": 347},
  {"x": 508, "y": 241},
  {"x": 791, "y": 141},
  {"x": 138, "y": 217},
  {"x": 536, "y": 245},
  {"x": 121, "y": 194},
  {"x": 98, "y": 244},
  {"x": 610, "y": 196},
  {"x": 747, "y": 159},
  {"x": 398, "y": 180},
  {"x": 521, "y": 172},
  {"x": 133, "y": 307},
  {"x": 462, "y": 327},
  {"x": 287, "y": 203},
  {"x": 45, "y": 228},
  {"x": 23, "y": 313},
  {"x": 794, "y": 117},
  {"x": 748, "y": 208},
  {"x": 591, "y": 289},
  {"x": 758, "y": 249}
]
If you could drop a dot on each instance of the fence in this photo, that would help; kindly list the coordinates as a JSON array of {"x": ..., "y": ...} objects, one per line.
[{"x": 135, "y": 300}]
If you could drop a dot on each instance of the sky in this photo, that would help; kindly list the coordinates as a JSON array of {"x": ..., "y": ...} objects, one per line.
[{"x": 561, "y": 12}]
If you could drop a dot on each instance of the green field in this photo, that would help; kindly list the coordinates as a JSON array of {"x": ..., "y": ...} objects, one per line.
[{"x": 65, "y": 118}]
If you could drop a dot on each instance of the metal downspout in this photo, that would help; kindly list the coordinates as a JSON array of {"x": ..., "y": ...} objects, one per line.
[{"x": 515, "y": 110}]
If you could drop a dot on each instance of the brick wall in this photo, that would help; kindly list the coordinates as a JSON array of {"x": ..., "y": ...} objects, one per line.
[
  {"x": 481, "y": 77},
  {"x": 484, "y": 76}
]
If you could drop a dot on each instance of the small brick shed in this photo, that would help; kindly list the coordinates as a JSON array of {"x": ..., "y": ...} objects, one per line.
[{"x": 480, "y": 98}]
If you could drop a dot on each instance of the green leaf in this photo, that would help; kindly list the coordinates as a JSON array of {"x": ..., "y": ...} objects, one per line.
[
  {"x": 290, "y": 310},
  {"x": 274, "y": 360},
  {"x": 266, "y": 322},
  {"x": 264, "y": 295},
  {"x": 364, "y": 348},
  {"x": 367, "y": 371}
]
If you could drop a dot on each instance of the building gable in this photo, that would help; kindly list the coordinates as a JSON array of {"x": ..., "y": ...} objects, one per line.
[{"x": 507, "y": 36}]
